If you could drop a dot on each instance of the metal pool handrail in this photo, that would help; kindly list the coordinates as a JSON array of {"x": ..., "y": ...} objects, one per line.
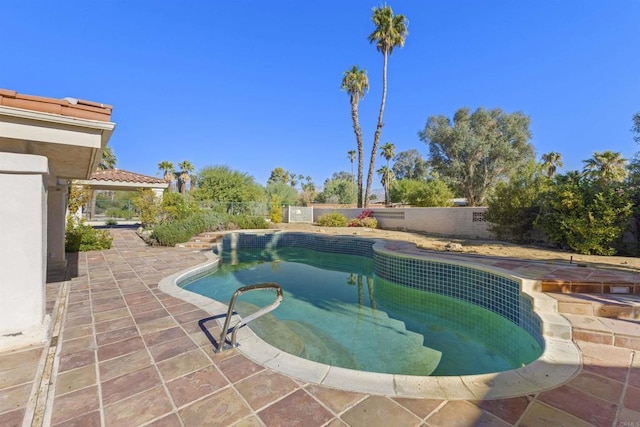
[{"x": 256, "y": 287}]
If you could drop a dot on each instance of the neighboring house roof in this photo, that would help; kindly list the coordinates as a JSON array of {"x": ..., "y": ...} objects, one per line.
[
  {"x": 69, "y": 107},
  {"x": 119, "y": 175},
  {"x": 118, "y": 179}
]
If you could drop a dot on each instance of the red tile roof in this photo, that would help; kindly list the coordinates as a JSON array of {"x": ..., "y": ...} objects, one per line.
[
  {"x": 119, "y": 175},
  {"x": 65, "y": 107}
]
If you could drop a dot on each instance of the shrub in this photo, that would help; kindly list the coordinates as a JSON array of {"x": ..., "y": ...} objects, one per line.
[
  {"x": 82, "y": 237},
  {"x": 174, "y": 232},
  {"x": 365, "y": 219},
  {"x": 246, "y": 222},
  {"x": 147, "y": 206},
  {"x": 111, "y": 221},
  {"x": 276, "y": 209},
  {"x": 333, "y": 219}
]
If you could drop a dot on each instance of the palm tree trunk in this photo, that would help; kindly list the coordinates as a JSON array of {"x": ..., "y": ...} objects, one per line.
[
  {"x": 358, "y": 132},
  {"x": 376, "y": 136}
]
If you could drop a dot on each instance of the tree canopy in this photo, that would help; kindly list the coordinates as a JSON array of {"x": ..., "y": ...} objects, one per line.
[
  {"x": 222, "y": 184},
  {"x": 477, "y": 150},
  {"x": 410, "y": 165}
]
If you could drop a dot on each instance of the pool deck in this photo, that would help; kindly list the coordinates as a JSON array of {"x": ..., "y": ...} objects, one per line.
[{"x": 124, "y": 353}]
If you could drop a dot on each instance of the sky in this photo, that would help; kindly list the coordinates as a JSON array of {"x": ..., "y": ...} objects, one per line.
[{"x": 255, "y": 85}]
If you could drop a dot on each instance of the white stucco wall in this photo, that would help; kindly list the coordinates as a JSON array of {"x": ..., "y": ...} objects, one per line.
[
  {"x": 455, "y": 221},
  {"x": 23, "y": 245}
]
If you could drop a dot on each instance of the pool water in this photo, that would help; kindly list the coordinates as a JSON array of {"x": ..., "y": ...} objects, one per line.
[{"x": 336, "y": 311}]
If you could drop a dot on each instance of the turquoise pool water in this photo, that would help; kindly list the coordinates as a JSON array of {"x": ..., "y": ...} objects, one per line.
[{"x": 338, "y": 312}]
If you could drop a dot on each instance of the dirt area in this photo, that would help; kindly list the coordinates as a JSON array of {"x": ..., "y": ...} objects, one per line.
[{"x": 480, "y": 247}]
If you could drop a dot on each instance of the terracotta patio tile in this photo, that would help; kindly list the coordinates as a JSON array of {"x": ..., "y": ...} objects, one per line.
[
  {"x": 598, "y": 386},
  {"x": 238, "y": 367},
  {"x": 77, "y": 332},
  {"x": 195, "y": 385},
  {"x": 78, "y": 321},
  {"x": 147, "y": 306},
  {"x": 117, "y": 335},
  {"x": 17, "y": 358},
  {"x": 159, "y": 337},
  {"x": 15, "y": 375},
  {"x": 180, "y": 308},
  {"x": 627, "y": 342},
  {"x": 420, "y": 407},
  {"x": 148, "y": 316},
  {"x": 91, "y": 419},
  {"x": 110, "y": 315},
  {"x": 632, "y": 399},
  {"x": 169, "y": 349},
  {"x": 122, "y": 365},
  {"x": 120, "y": 348},
  {"x": 75, "y": 404},
  {"x": 13, "y": 418},
  {"x": 265, "y": 387},
  {"x": 75, "y": 379},
  {"x": 627, "y": 417},
  {"x": 129, "y": 384},
  {"x": 462, "y": 413},
  {"x": 76, "y": 360},
  {"x": 127, "y": 412},
  {"x": 336, "y": 400},
  {"x": 224, "y": 408},
  {"x": 15, "y": 397},
  {"x": 581, "y": 405},
  {"x": 110, "y": 325},
  {"x": 298, "y": 409},
  {"x": 170, "y": 420},
  {"x": 509, "y": 410},
  {"x": 183, "y": 364},
  {"x": 540, "y": 414}
]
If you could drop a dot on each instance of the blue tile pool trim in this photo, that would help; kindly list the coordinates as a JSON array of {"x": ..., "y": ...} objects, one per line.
[{"x": 497, "y": 293}]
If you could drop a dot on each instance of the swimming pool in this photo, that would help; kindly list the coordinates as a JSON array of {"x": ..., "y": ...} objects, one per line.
[
  {"x": 559, "y": 361},
  {"x": 339, "y": 310}
]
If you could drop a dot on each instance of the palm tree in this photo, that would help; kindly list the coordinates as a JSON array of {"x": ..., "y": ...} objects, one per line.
[
  {"x": 386, "y": 175},
  {"x": 356, "y": 83},
  {"x": 551, "y": 162},
  {"x": 388, "y": 152},
  {"x": 169, "y": 171},
  {"x": 186, "y": 167},
  {"x": 390, "y": 32},
  {"x": 605, "y": 167},
  {"x": 108, "y": 160},
  {"x": 352, "y": 158}
]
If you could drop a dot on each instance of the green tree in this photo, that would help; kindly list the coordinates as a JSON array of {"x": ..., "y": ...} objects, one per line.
[
  {"x": 636, "y": 127},
  {"x": 186, "y": 167},
  {"x": 386, "y": 176},
  {"x": 515, "y": 205},
  {"x": 551, "y": 162},
  {"x": 308, "y": 194},
  {"x": 175, "y": 207},
  {"x": 606, "y": 167},
  {"x": 478, "y": 150},
  {"x": 337, "y": 191},
  {"x": 279, "y": 175},
  {"x": 585, "y": 217},
  {"x": 390, "y": 32},
  {"x": 356, "y": 83},
  {"x": 285, "y": 194},
  {"x": 410, "y": 165},
  {"x": 432, "y": 193},
  {"x": 222, "y": 184},
  {"x": 147, "y": 207}
]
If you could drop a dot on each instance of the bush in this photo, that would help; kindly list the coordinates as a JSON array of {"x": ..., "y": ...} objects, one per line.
[
  {"x": 333, "y": 219},
  {"x": 246, "y": 222},
  {"x": 365, "y": 219},
  {"x": 276, "y": 209},
  {"x": 111, "y": 221},
  {"x": 174, "y": 232},
  {"x": 82, "y": 237}
]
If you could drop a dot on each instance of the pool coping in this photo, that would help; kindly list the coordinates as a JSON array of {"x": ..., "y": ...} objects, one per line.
[{"x": 558, "y": 364}]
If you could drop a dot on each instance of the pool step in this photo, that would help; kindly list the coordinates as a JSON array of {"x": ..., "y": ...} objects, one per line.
[
  {"x": 599, "y": 305},
  {"x": 205, "y": 240},
  {"x": 602, "y": 330}
]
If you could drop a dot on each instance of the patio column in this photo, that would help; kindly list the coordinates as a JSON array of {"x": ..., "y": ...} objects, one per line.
[
  {"x": 23, "y": 230},
  {"x": 56, "y": 224}
]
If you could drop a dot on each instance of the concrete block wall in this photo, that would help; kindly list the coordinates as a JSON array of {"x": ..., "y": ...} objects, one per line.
[{"x": 465, "y": 222}]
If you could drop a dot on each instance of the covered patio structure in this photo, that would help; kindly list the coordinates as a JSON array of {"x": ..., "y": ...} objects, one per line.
[{"x": 44, "y": 143}]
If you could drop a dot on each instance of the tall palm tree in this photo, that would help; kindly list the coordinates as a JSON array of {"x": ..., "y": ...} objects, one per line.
[
  {"x": 186, "y": 167},
  {"x": 388, "y": 151},
  {"x": 356, "y": 83},
  {"x": 606, "y": 167},
  {"x": 390, "y": 32},
  {"x": 551, "y": 162},
  {"x": 169, "y": 172},
  {"x": 386, "y": 175},
  {"x": 352, "y": 158}
]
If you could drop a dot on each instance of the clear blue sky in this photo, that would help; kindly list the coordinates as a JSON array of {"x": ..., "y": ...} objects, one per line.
[{"x": 256, "y": 84}]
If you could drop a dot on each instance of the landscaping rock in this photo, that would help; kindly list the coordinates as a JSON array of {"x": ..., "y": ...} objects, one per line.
[{"x": 453, "y": 247}]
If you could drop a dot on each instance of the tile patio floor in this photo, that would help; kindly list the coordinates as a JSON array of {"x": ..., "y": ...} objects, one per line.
[{"x": 125, "y": 354}]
